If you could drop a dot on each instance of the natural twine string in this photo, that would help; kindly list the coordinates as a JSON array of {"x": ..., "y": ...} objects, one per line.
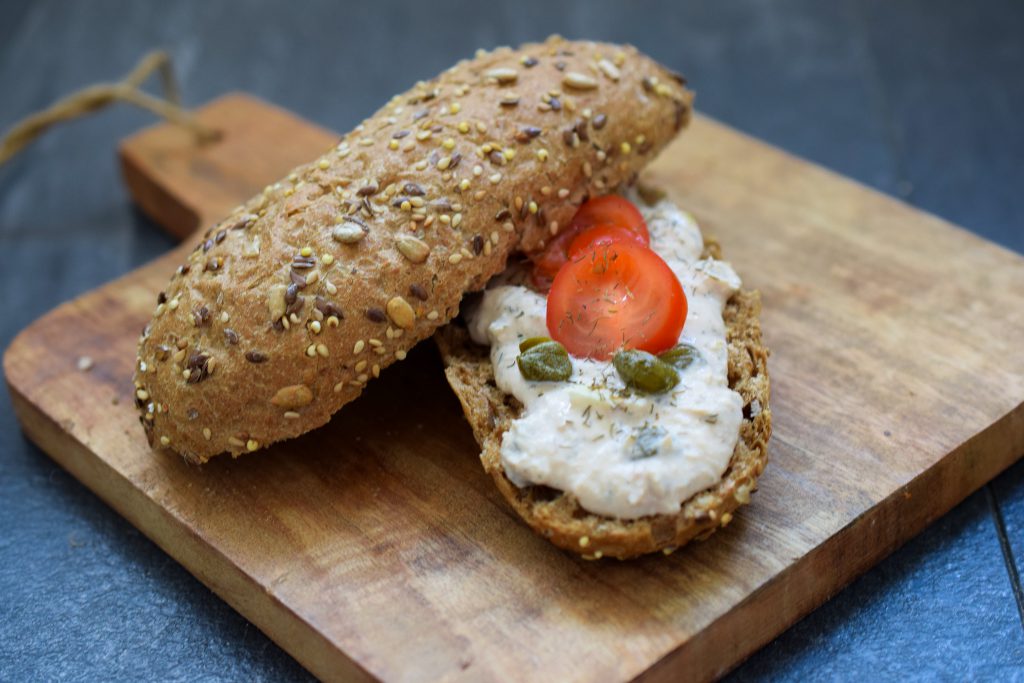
[{"x": 95, "y": 97}]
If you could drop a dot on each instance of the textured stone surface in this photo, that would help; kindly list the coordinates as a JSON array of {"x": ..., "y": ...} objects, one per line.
[{"x": 920, "y": 99}]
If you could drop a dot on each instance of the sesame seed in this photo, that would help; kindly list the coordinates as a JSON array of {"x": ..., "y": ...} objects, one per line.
[
  {"x": 443, "y": 163},
  {"x": 481, "y": 127},
  {"x": 433, "y": 315},
  {"x": 160, "y": 308},
  {"x": 361, "y": 365},
  {"x": 332, "y": 321},
  {"x": 321, "y": 349},
  {"x": 338, "y": 387},
  {"x": 314, "y": 326},
  {"x": 422, "y": 135},
  {"x": 165, "y": 440},
  {"x": 359, "y": 346},
  {"x": 311, "y": 350},
  {"x": 542, "y": 154},
  {"x": 251, "y": 445},
  {"x": 563, "y": 193},
  {"x": 495, "y": 179},
  {"x": 454, "y": 258},
  {"x": 324, "y": 164},
  {"x": 142, "y": 395},
  {"x": 331, "y": 289},
  {"x": 584, "y": 541},
  {"x": 553, "y": 227},
  {"x": 478, "y": 170},
  {"x": 207, "y": 434},
  {"x": 366, "y": 142},
  {"x": 85, "y": 364},
  {"x": 445, "y": 218},
  {"x": 400, "y": 354},
  {"x": 464, "y": 184},
  {"x": 291, "y": 415},
  {"x": 173, "y": 305},
  {"x": 236, "y": 442},
  {"x": 376, "y": 343},
  {"x": 456, "y": 220}
]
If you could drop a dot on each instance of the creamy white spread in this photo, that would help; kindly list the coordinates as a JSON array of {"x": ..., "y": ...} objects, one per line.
[{"x": 622, "y": 454}]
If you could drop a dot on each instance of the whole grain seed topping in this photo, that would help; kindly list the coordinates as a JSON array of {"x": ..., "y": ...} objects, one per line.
[
  {"x": 256, "y": 357},
  {"x": 201, "y": 316},
  {"x": 529, "y": 62},
  {"x": 412, "y": 248},
  {"x": 376, "y": 315},
  {"x": 509, "y": 101},
  {"x": 294, "y": 396},
  {"x": 527, "y": 133},
  {"x": 301, "y": 262},
  {"x": 401, "y": 312},
  {"x": 371, "y": 188},
  {"x": 609, "y": 69},
  {"x": 197, "y": 369},
  {"x": 599, "y": 121},
  {"x": 276, "y": 302},
  {"x": 419, "y": 291},
  {"x": 503, "y": 76},
  {"x": 348, "y": 232}
]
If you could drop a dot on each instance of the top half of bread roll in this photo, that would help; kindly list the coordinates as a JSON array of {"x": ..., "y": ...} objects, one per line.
[{"x": 289, "y": 306}]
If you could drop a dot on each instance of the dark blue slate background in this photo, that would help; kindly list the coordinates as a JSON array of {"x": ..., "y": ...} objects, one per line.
[{"x": 920, "y": 99}]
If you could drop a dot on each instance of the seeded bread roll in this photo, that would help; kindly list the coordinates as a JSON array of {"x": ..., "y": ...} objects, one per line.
[
  {"x": 288, "y": 307},
  {"x": 557, "y": 515}
]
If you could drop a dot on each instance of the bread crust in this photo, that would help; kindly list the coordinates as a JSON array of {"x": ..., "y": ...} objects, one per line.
[
  {"x": 288, "y": 307},
  {"x": 557, "y": 515}
]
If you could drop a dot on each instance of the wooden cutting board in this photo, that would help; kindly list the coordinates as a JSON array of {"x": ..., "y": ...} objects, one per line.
[{"x": 377, "y": 547}]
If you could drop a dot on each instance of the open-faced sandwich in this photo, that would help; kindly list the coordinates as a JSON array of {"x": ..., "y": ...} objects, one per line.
[
  {"x": 293, "y": 303},
  {"x": 617, "y": 383}
]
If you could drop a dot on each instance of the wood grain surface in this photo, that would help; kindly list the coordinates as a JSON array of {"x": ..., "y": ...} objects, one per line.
[{"x": 377, "y": 546}]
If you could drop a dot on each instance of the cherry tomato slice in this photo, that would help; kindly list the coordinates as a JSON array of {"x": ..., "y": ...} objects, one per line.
[
  {"x": 607, "y": 210},
  {"x": 602, "y": 236},
  {"x": 614, "y": 210},
  {"x": 547, "y": 263},
  {"x": 620, "y": 296}
]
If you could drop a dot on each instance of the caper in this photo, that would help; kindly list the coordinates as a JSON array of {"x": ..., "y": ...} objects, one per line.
[
  {"x": 644, "y": 372},
  {"x": 546, "y": 361},
  {"x": 530, "y": 342},
  {"x": 680, "y": 356}
]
